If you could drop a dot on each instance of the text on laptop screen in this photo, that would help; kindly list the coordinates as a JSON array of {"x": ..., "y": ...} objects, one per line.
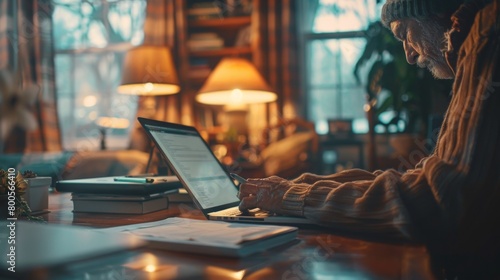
[{"x": 196, "y": 166}]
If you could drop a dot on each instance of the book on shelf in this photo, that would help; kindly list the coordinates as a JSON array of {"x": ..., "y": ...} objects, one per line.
[
  {"x": 198, "y": 68},
  {"x": 205, "y": 40},
  {"x": 203, "y": 36},
  {"x": 210, "y": 237},
  {"x": 204, "y": 10},
  {"x": 120, "y": 204},
  {"x": 198, "y": 62},
  {"x": 204, "y": 43}
]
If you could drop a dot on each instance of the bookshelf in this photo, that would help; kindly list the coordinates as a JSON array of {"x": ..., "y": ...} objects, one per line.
[
  {"x": 209, "y": 31},
  {"x": 229, "y": 51},
  {"x": 222, "y": 23}
]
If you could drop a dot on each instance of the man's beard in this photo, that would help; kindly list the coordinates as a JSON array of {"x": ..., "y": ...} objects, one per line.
[
  {"x": 433, "y": 57},
  {"x": 438, "y": 67}
]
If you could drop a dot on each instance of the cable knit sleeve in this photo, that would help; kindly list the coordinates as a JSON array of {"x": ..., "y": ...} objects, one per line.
[{"x": 353, "y": 200}]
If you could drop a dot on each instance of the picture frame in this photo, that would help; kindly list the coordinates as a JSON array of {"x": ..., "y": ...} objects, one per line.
[{"x": 341, "y": 128}]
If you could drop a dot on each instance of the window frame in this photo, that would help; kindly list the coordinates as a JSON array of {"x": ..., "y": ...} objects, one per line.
[
  {"x": 93, "y": 134},
  {"x": 306, "y": 37}
]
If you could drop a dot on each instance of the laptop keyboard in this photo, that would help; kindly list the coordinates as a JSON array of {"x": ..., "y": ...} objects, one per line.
[
  {"x": 233, "y": 212},
  {"x": 230, "y": 212}
]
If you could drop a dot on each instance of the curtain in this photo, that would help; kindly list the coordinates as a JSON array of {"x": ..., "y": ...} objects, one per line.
[
  {"x": 26, "y": 50},
  {"x": 159, "y": 29},
  {"x": 277, "y": 56}
]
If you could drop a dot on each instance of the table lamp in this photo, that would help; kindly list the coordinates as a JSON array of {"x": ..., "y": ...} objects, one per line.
[
  {"x": 235, "y": 81},
  {"x": 110, "y": 123},
  {"x": 149, "y": 71}
]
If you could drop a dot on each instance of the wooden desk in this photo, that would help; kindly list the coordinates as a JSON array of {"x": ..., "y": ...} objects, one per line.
[{"x": 316, "y": 254}]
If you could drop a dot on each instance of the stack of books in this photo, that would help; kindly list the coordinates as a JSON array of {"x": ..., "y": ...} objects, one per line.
[
  {"x": 120, "y": 204},
  {"x": 120, "y": 195},
  {"x": 204, "y": 10},
  {"x": 205, "y": 41},
  {"x": 199, "y": 68}
]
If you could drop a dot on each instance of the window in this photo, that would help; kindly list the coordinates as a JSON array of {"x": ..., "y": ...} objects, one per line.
[
  {"x": 333, "y": 37},
  {"x": 90, "y": 38}
]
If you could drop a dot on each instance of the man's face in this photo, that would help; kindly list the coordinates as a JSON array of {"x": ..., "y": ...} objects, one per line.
[{"x": 423, "y": 45}]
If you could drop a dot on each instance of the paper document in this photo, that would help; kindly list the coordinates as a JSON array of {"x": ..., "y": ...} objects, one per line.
[{"x": 205, "y": 232}]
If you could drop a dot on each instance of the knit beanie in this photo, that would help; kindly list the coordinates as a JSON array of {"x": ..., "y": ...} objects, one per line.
[{"x": 399, "y": 9}]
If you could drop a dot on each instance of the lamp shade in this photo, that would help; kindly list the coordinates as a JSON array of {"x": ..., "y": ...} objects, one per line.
[
  {"x": 149, "y": 70},
  {"x": 235, "y": 81}
]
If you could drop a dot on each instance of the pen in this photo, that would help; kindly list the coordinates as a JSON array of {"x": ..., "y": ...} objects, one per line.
[
  {"x": 238, "y": 178},
  {"x": 134, "y": 180}
]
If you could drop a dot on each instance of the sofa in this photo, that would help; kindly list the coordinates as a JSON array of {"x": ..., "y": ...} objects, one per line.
[{"x": 78, "y": 165}]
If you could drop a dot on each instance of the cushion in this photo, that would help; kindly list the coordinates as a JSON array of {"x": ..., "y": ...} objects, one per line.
[
  {"x": 105, "y": 163},
  {"x": 286, "y": 153}
]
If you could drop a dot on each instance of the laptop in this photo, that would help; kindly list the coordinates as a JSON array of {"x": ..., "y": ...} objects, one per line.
[{"x": 203, "y": 176}]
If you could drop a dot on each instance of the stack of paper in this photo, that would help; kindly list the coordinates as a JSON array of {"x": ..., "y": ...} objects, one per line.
[{"x": 210, "y": 237}]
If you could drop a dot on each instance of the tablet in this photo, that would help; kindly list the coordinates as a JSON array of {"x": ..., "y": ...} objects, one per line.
[{"x": 108, "y": 185}]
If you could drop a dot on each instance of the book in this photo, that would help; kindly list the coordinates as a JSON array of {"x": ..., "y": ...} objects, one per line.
[
  {"x": 205, "y": 44},
  {"x": 108, "y": 185},
  {"x": 207, "y": 10},
  {"x": 210, "y": 237},
  {"x": 203, "y": 36},
  {"x": 120, "y": 204},
  {"x": 204, "y": 11},
  {"x": 205, "y": 40}
]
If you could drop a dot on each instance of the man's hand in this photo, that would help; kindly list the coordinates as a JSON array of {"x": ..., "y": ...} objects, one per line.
[{"x": 266, "y": 193}]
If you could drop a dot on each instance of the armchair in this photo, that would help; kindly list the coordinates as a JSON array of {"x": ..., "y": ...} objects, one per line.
[{"x": 289, "y": 148}]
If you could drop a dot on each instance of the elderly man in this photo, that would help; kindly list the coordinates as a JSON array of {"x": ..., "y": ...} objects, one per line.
[{"x": 451, "y": 200}]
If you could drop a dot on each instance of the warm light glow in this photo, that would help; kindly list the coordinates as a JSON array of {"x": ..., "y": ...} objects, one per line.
[
  {"x": 225, "y": 273},
  {"x": 109, "y": 122},
  {"x": 150, "y": 268},
  {"x": 89, "y": 100},
  {"x": 247, "y": 97},
  {"x": 235, "y": 81},
  {"x": 236, "y": 96},
  {"x": 241, "y": 107},
  {"x": 148, "y": 89}
]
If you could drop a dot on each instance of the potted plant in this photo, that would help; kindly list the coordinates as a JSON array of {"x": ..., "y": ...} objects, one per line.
[
  {"x": 13, "y": 187},
  {"x": 399, "y": 95}
]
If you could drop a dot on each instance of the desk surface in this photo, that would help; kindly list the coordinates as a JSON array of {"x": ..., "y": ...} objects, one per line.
[{"x": 316, "y": 254}]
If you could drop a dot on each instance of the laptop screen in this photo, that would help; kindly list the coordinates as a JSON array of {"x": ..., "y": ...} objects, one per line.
[{"x": 195, "y": 165}]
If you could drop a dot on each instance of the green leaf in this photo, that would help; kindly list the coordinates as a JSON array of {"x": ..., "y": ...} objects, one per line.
[{"x": 385, "y": 106}]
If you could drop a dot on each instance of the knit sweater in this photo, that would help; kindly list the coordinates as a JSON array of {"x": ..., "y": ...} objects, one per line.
[{"x": 455, "y": 188}]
